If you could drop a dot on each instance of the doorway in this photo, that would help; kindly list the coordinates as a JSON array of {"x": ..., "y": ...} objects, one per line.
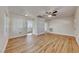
[{"x": 29, "y": 27}]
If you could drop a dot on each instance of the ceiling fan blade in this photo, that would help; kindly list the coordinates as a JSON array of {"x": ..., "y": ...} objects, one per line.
[
  {"x": 39, "y": 16},
  {"x": 55, "y": 11},
  {"x": 53, "y": 14}
]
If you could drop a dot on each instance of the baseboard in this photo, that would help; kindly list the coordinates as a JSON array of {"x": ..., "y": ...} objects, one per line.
[
  {"x": 11, "y": 37},
  {"x": 61, "y": 34},
  {"x": 41, "y": 33},
  {"x": 5, "y": 45},
  {"x": 77, "y": 38}
]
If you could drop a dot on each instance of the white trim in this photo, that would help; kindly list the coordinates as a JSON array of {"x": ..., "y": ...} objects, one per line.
[
  {"x": 62, "y": 34},
  {"x": 17, "y": 36},
  {"x": 77, "y": 38},
  {"x": 41, "y": 33},
  {"x": 5, "y": 46}
]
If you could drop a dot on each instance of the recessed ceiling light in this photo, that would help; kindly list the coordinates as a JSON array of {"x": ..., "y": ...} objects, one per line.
[
  {"x": 26, "y": 15},
  {"x": 49, "y": 15}
]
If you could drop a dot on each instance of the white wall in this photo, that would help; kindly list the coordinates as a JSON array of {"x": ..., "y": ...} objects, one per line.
[
  {"x": 4, "y": 28},
  {"x": 62, "y": 26},
  {"x": 76, "y": 20},
  {"x": 35, "y": 26},
  {"x": 18, "y": 25},
  {"x": 38, "y": 26}
]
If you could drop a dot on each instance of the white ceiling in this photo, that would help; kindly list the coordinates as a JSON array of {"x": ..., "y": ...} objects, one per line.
[{"x": 63, "y": 11}]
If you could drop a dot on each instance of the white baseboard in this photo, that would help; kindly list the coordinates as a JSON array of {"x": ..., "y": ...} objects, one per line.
[
  {"x": 5, "y": 41},
  {"x": 5, "y": 45},
  {"x": 41, "y": 33},
  {"x": 62, "y": 34},
  {"x": 17, "y": 36},
  {"x": 77, "y": 38}
]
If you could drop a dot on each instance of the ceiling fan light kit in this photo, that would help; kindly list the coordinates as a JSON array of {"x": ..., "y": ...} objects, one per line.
[{"x": 49, "y": 15}]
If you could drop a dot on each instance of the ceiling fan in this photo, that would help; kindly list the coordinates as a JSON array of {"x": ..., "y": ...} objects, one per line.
[
  {"x": 54, "y": 13},
  {"x": 49, "y": 14}
]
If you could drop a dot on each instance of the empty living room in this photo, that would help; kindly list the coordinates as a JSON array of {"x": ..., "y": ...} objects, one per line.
[{"x": 39, "y": 29}]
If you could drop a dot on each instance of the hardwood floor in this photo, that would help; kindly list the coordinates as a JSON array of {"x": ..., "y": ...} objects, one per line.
[{"x": 46, "y": 43}]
